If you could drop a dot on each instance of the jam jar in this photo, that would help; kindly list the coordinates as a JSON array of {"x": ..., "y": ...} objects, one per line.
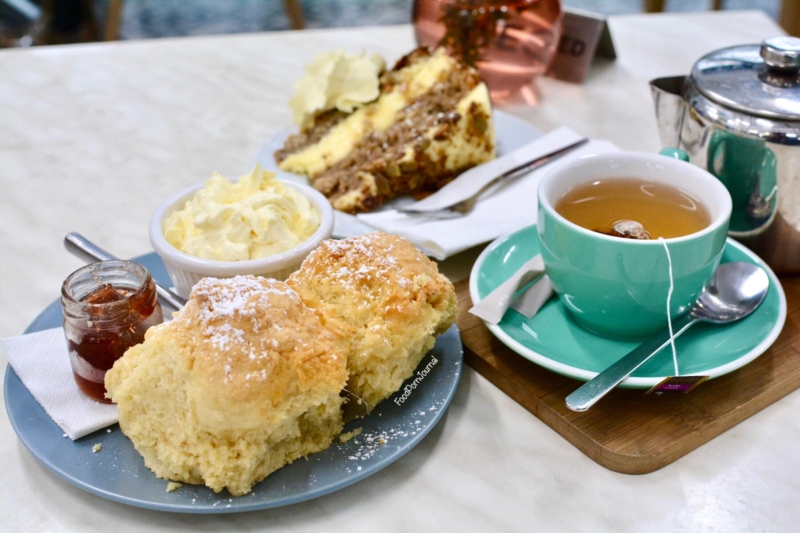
[{"x": 107, "y": 308}]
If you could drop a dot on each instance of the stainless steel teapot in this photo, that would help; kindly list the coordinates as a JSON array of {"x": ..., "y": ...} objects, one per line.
[{"x": 738, "y": 116}]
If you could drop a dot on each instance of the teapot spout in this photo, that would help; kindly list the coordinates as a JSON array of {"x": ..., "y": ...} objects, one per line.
[{"x": 668, "y": 100}]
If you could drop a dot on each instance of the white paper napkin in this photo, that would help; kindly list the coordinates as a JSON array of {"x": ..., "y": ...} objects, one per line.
[
  {"x": 42, "y": 363},
  {"x": 500, "y": 211}
]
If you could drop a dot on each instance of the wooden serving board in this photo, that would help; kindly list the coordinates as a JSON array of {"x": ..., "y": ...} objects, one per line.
[{"x": 628, "y": 431}]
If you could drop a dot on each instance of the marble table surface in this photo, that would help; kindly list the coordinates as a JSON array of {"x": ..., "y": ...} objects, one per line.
[{"x": 95, "y": 136}]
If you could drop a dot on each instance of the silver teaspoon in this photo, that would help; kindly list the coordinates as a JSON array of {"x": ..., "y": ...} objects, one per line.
[
  {"x": 735, "y": 291},
  {"x": 83, "y": 248}
]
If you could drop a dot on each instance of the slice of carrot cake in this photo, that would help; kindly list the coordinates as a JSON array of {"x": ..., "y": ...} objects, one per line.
[{"x": 429, "y": 120}]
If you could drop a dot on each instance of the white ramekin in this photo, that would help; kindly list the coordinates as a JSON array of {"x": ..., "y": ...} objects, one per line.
[{"x": 186, "y": 270}]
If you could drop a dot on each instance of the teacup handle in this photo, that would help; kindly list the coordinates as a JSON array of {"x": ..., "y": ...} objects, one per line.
[{"x": 675, "y": 153}]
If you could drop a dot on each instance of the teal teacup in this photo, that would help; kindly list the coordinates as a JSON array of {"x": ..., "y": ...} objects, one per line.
[{"x": 618, "y": 287}]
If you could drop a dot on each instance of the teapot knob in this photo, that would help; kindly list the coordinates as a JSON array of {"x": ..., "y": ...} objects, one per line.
[{"x": 781, "y": 53}]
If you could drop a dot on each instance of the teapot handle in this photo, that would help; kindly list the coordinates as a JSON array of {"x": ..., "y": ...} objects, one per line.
[{"x": 675, "y": 153}]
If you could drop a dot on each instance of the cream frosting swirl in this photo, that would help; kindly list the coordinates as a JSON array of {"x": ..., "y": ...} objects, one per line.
[{"x": 336, "y": 80}]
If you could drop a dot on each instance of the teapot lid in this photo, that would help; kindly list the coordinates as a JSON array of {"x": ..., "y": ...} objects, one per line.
[{"x": 758, "y": 80}]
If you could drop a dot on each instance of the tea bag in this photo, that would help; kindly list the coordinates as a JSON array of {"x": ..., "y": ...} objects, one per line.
[{"x": 629, "y": 229}]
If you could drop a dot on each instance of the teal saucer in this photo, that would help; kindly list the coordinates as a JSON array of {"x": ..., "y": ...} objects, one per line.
[{"x": 551, "y": 339}]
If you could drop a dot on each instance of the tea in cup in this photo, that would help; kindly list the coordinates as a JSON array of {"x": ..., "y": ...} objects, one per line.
[{"x": 617, "y": 230}]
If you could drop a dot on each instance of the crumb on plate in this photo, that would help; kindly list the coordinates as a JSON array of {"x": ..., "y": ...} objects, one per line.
[{"x": 344, "y": 437}]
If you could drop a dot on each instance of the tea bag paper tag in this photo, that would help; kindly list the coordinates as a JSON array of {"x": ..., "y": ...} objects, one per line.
[
  {"x": 495, "y": 304},
  {"x": 684, "y": 384},
  {"x": 584, "y": 36},
  {"x": 533, "y": 297}
]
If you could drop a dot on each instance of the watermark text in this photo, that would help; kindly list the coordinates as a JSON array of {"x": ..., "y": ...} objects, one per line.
[{"x": 417, "y": 380}]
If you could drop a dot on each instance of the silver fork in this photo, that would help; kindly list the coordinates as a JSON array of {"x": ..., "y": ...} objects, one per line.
[{"x": 465, "y": 206}]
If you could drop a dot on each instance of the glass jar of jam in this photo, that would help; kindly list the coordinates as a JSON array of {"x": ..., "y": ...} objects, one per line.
[{"x": 107, "y": 308}]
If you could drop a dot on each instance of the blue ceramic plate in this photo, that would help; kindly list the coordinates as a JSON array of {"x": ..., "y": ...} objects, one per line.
[
  {"x": 118, "y": 472},
  {"x": 551, "y": 339}
]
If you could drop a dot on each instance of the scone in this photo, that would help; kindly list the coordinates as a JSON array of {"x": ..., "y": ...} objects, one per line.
[
  {"x": 431, "y": 122},
  {"x": 243, "y": 381},
  {"x": 384, "y": 300}
]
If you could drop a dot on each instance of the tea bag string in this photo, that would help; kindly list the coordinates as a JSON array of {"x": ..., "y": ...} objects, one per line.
[{"x": 669, "y": 300}]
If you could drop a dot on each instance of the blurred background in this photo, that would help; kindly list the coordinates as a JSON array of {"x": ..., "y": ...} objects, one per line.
[{"x": 36, "y": 22}]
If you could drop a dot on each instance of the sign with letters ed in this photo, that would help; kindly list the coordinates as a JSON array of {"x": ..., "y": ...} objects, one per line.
[{"x": 584, "y": 36}]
